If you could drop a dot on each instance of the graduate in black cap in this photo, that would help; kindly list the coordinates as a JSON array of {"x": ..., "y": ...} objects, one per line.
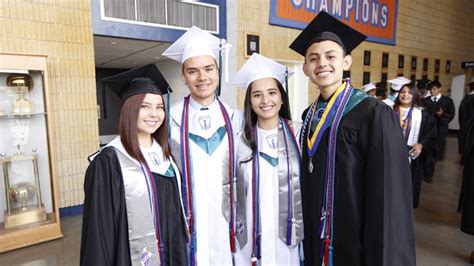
[
  {"x": 132, "y": 209},
  {"x": 356, "y": 185}
]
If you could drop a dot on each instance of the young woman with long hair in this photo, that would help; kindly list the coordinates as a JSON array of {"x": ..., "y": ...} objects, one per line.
[
  {"x": 132, "y": 210},
  {"x": 419, "y": 130},
  {"x": 268, "y": 167}
]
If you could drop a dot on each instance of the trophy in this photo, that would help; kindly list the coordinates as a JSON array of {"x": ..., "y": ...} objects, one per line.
[
  {"x": 21, "y": 84},
  {"x": 24, "y": 204},
  {"x": 20, "y": 129}
]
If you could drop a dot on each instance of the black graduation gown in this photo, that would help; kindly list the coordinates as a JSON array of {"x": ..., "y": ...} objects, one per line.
[
  {"x": 447, "y": 105},
  {"x": 466, "y": 111},
  {"x": 105, "y": 228},
  {"x": 373, "y": 215},
  {"x": 427, "y": 137},
  {"x": 466, "y": 198}
]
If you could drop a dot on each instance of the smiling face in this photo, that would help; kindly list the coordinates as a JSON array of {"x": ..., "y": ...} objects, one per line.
[
  {"x": 405, "y": 97},
  {"x": 201, "y": 75},
  {"x": 324, "y": 65},
  {"x": 435, "y": 91},
  {"x": 150, "y": 116},
  {"x": 266, "y": 100}
]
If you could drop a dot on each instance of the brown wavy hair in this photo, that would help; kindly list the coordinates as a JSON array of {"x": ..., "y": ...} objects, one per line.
[{"x": 128, "y": 128}]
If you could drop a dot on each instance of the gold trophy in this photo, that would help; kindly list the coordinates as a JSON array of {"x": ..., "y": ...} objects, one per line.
[
  {"x": 21, "y": 208},
  {"x": 22, "y": 84}
]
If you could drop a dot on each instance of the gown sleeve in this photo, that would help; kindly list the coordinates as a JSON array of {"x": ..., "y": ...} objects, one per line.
[
  {"x": 104, "y": 228},
  {"x": 428, "y": 133},
  {"x": 448, "y": 112},
  {"x": 388, "y": 231}
]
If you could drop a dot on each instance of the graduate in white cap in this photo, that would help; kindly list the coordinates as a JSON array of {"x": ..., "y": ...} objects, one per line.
[
  {"x": 355, "y": 185},
  {"x": 202, "y": 142},
  {"x": 272, "y": 198},
  {"x": 396, "y": 84},
  {"x": 370, "y": 89}
]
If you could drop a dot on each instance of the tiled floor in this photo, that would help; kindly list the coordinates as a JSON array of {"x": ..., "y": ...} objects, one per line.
[{"x": 438, "y": 238}]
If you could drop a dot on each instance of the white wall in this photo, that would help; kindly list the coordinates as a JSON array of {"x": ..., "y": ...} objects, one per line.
[{"x": 457, "y": 93}]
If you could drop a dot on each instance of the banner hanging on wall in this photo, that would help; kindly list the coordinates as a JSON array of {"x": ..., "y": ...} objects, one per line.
[{"x": 375, "y": 18}]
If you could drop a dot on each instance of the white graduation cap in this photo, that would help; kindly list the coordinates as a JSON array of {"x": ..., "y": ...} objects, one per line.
[
  {"x": 398, "y": 83},
  {"x": 258, "y": 67},
  {"x": 369, "y": 86},
  {"x": 197, "y": 42},
  {"x": 194, "y": 42}
]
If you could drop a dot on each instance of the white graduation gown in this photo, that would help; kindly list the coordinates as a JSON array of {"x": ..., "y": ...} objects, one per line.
[
  {"x": 273, "y": 250},
  {"x": 212, "y": 229}
]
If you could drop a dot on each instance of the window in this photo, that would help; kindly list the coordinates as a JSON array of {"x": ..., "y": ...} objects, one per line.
[
  {"x": 366, "y": 78},
  {"x": 366, "y": 58},
  {"x": 383, "y": 81},
  {"x": 437, "y": 65},
  {"x": 413, "y": 63},
  {"x": 448, "y": 66},
  {"x": 173, "y": 13},
  {"x": 425, "y": 64},
  {"x": 413, "y": 77},
  {"x": 384, "y": 60},
  {"x": 401, "y": 59}
]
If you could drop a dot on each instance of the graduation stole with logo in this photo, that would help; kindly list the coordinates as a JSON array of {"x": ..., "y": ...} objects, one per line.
[
  {"x": 331, "y": 117},
  {"x": 286, "y": 139},
  {"x": 187, "y": 178}
]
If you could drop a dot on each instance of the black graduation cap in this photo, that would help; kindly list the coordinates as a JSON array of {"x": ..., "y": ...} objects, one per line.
[
  {"x": 145, "y": 79},
  {"x": 326, "y": 27},
  {"x": 423, "y": 83}
]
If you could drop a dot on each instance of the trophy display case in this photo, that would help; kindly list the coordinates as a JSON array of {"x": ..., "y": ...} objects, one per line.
[{"x": 29, "y": 207}]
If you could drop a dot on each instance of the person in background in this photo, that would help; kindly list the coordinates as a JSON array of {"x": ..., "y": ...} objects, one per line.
[
  {"x": 370, "y": 89},
  {"x": 442, "y": 107},
  {"x": 203, "y": 129},
  {"x": 422, "y": 85},
  {"x": 466, "y": 112},
  {"x": 395, "y": 86},
  {"x": 133, "y": 213},
  {"x": 419, "y": 130},
  {"x": 269, "y": 165},
  {"x": 347, "y": 201},
  {"x": 381, "y": 91},
  {"x": 466, "y": 196}
]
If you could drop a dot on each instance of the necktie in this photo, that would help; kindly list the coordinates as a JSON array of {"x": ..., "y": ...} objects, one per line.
[{"x": 435, "y": 99}]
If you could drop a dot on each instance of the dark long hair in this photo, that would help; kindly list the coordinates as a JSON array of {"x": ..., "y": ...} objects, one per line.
[
  {"x": 413, "y": 90},
  {"x": 128, "y": 128},
  {"x": 251, "y": 117}
]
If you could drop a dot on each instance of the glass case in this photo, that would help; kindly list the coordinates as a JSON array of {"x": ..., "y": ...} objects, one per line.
[{"x": 29, "y": 210}]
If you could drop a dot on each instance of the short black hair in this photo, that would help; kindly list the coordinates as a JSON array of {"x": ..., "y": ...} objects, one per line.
[{"x": 433, "y": 84}]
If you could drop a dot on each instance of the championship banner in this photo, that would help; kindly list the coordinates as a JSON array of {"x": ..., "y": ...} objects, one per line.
[{"x": 375, "y": 18}]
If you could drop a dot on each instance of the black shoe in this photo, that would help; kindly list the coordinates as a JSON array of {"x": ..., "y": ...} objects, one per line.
[{"x": 428, "y": 179}]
